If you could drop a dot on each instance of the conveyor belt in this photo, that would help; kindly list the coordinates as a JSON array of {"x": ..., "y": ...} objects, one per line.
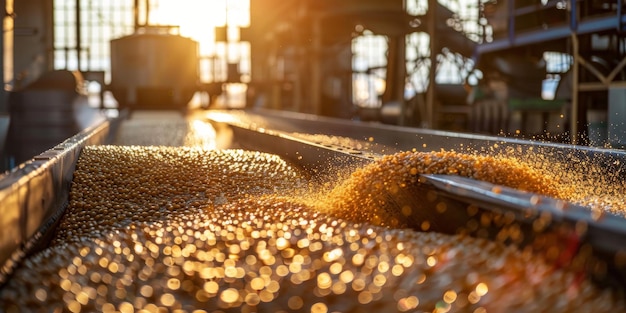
[
  {"x": 280, "y": 133},
  {"x": 387, "y": 139},
  {"x": 35, "y": 193}
]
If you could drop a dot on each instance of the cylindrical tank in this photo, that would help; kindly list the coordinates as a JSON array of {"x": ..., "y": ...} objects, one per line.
[{"x": 153, "y": 69}]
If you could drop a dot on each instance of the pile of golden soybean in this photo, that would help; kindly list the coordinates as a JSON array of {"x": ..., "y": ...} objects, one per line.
[
  {"x": 374, "y": 193},
  {"x": 156, "y": 229}
]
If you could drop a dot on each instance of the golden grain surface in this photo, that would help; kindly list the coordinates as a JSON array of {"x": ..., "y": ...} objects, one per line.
[
  {"x": 276, "y": 255},
  {"x": 374, "y": 193},
  {"x": 156, "y": 229},
  {"x": 117, "y": 186}
]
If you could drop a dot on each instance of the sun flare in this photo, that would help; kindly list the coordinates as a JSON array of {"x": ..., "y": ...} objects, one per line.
[{"x": 197, "y": 19}]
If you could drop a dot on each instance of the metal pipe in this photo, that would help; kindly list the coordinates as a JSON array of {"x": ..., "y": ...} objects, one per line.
[
  {"x": 316, "y": 74},
  {"x": 401, "y": 78},
  {"x": 429, "y": 121},
  {"x": 574, "y": 108},
  {"x": 511, "y": 13},
  {"x": 620, "y": 23},
  {"x": 575, "y": 69},
  {"x": 4, "y": 107},
  {"x": 136, "y": 15},
  {"x": 78, "y": 35},
  {"x": 147, "y": 19}
]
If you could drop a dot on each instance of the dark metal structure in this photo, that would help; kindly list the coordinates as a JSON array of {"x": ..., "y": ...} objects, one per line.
[
  {"x": 591, "y": 33},
  {"x": 302, "y": 59},
  {"x": 154, "y": 68},
  {"x": 514, "y": 47}
]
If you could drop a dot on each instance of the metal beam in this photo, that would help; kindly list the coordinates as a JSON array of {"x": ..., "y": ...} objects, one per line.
[
  {"x": 429, "y": 119},
  {"x": 79, "y": 46},
  {"x": 597, "y": 86},
  {"x": 586, "y": 26},
  {"x": 136, "y": 14},
  {"x": 591, "y": 69},
  {"x": 616, "y": 70},
  {"x": 574, "y": 108},
  {"x": 6, "y": 51},
  {"x": 316, "y": 64}
]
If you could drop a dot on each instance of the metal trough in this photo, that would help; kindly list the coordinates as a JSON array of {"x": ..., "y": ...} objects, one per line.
[{"x": 33, "y": 196}]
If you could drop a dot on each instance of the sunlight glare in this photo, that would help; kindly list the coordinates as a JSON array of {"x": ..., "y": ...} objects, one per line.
[{"x": 197, "y": 19}]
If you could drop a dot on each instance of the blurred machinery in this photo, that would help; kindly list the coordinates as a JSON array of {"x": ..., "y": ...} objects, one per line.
[
  {"x": 543, "y": 69},
  {"x": 512, "y": 53},
  {"x": 303, "y": 61},
  {"x": 154, "y": 68},
  {"x": 588, "y": 38}
]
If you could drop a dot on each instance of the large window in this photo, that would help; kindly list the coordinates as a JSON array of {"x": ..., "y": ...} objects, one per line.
[
  {"x": 369, "y": 63},
  {"x": 81, "y": 41}
]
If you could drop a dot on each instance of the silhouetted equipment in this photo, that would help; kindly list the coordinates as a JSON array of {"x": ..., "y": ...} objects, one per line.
[
  {"x": 154, "y": 68},
  {"x": 44, "y": 113}
]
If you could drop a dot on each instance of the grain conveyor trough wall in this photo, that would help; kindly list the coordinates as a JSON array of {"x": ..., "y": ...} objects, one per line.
[
  {"x": 388, "y": 139},
  {"x": 278, "y": 133},
  {"x": 34, "y": 195}
]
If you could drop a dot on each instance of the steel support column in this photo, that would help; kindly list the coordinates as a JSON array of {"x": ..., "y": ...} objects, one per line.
[
  {"x": 316, "y": 64},
  {"x": 6, "y": 48},
  {"x": 429, "y": 120},
  {"x": 79, "y": 46},
  {"x": 575, "y": 83},
  {"x": 396, "y": 75}
]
